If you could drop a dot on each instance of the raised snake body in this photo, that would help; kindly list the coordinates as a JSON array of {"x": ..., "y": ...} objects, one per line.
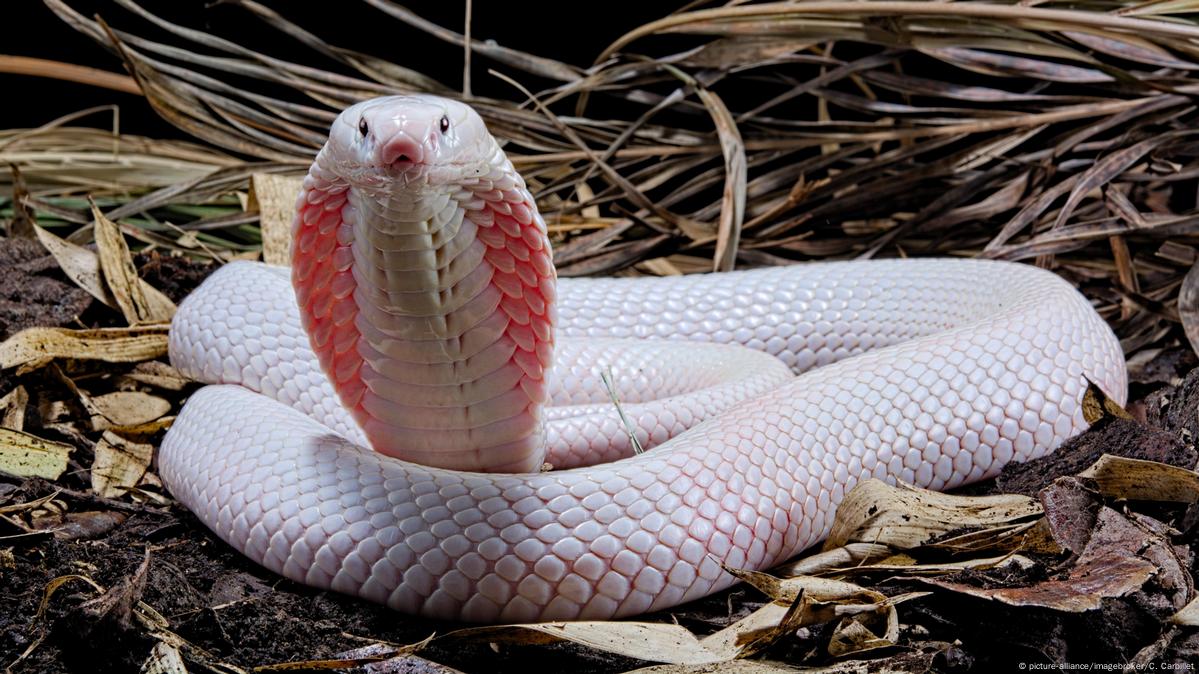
[{"x": 422, "y": 271}]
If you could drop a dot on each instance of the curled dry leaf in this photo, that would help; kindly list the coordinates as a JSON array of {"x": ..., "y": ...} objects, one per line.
[
  {"x": 1097, "y": 405},
  {"x": 26, "y": 455},
  {"x": 909, "y": 566},
  {"x": 849, "y": 555},
  {"x": 119, "y": 464},
  {"x": 813, "y": 601},
  {"x": 1119, "y": 559},
  {"x": 35, "y": 347},
  {"x": 274, "y": 197},
  {"x": 79, "y": 264},
  {"x": 905, "y": 517},
  {"x": 139, "y": 302}
]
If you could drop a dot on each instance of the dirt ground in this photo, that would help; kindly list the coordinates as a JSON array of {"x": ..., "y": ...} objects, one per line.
[{"x": 77, "y": 572}]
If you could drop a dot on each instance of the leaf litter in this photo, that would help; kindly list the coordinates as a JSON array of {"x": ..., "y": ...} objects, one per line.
[{"x": 1056, "y": 135}]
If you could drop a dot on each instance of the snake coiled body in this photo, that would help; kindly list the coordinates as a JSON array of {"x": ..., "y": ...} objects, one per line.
[{"x": 933, "y": 372}]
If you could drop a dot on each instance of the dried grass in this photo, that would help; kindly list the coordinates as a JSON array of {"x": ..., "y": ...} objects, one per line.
[{"x": 1060, "y": 134}]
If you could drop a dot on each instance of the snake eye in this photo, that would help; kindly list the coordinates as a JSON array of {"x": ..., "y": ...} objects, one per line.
[
  {"x": 362, "y": 127},
  {"x": 445, "y": 123}
]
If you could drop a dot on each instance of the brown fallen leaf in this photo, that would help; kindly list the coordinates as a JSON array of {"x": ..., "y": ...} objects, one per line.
[
  {"x": 274, "y": 197},
  {"x": 849, "y": 555},
  {"x": 1188, "y": 615},
  {"x": 904, "y": 517},
  {"x": 139, "y": 302},
  {"x": 22, "y": 223},
  {"x": 370, "y": 658},
  {"x": 1071, "y": 509},
  {"x": 734, "y": 667},
  {"x": 1114, "y": 564},
  {"x": 397, "y": 661},
  {"x": 26, "y": 455},
  {"x": 1140, "y": 480},
  {"x": 119, "y": 464},
  {"x": 35, "y": 347},
  {"x": 127, "y": 408},
  {"x": 81, "y": 525},
  {"x": 12, "y": 409},
  {"x": 1097, "y": 405},
  {"x": 815, "y": 600},
  {"x": 652, "y": 642},
  {"x": 156, "y": 373},
  {"x": 164, "y": 659},
  {"x": 909, "y": 566}
]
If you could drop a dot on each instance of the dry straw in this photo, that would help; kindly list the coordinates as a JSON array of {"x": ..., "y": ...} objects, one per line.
[{"x": 1062, "y": 134}]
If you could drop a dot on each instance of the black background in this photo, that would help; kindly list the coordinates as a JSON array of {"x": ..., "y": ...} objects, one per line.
[{"x": 560, "y": 30}]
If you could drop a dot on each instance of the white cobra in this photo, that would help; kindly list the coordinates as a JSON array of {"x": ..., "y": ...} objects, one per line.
[{"x": 376, "y": 438}]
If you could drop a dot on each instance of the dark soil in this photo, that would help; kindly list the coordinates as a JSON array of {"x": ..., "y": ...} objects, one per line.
[{"x": 158, "y": 554}]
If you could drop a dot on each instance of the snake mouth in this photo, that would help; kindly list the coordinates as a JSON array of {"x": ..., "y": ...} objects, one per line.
[{"x": 401, "y": 153}]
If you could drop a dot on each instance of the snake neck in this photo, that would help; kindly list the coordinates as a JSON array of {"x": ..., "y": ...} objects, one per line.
[{"x": 430, "y": 305}]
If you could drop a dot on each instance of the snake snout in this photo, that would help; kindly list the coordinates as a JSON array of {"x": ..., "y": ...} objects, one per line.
[{"x": 401, "y": 151}]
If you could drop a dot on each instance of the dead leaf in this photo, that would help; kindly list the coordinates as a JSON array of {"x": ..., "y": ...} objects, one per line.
[
  {"x": 139, "y": 302},
  {"x": 22, "y": 223},
  {"x": 1114, "y": 564},
  {"x": 164, "y": 659},
  {"x": 128, "y": 408},
  {"x": 81, "y": 525},
  {"x": 79, "y": 264},
  {"x": 1189, "y": 615},
  {"x": 854, "y": 637},
  {"x": 909, "y": 566},
  {"x": 1097, "y": 405},
  {"x": 158, "y": 374},
  {"x": 26, "y": 455},
  {"x": 12, "y": 409},
  {"x": 274, "y": 197},
  {"x": 1140, "y": 480},
  {"x": 734, "y": 667},
  {"x": 652, "y": 642},
  {"x": 119, "y": 464},
  {"x": 398, "y": 660},
  {"x": 371, "y": 658},
  {"x": 1188, "y": 305},
  {"x": 1071, "y": 508},
  {"x": 849, "y": 555},
  {"x": 35, "y": 347},
  {"x": 905, "y": 517}
]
